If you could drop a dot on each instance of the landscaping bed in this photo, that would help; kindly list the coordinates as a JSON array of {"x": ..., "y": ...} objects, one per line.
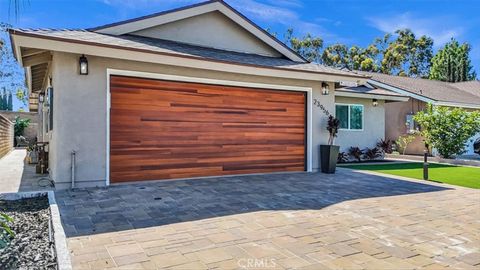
[{"x": 33, "y": 245}]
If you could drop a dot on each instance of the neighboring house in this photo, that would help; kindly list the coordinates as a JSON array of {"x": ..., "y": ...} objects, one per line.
[
  {"x": 196, "y": 91},
  {"x": 399, "y": 116}
]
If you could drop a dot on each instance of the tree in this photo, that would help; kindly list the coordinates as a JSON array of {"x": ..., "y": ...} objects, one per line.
[
  {"x": 336, "y": 55},
  {"x": 10, "y": 102},
  {"x": 11, "y": 74},
  {"x": 452, "y": 63},
  {"x": 447, "y": 129},
  {"x": 21, "y": 95},
  {"x": 406, "y": 55},
  {"x": 309, "y": 46}
]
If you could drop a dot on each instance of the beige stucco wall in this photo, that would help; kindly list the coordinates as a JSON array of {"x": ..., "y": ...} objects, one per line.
[
  {"x": 213, "y": 30},
  {"x": 373, "y": 125},
  {"x": 395, "y": 124},
  {"x": 80, "y": 112}
]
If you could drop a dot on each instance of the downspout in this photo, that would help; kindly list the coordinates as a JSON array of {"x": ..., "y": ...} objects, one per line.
[{"x": 73, "y": 168}]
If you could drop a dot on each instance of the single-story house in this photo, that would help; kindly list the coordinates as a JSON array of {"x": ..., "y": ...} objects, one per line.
[
  {"x": 192, "y": 92},
  {"x": 399, "y": 115}
]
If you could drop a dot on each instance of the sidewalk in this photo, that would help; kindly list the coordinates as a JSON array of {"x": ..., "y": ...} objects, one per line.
[{"x": 16, "y": 175}]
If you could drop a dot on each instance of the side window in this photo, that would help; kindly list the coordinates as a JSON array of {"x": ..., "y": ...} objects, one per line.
[
  {"x": 350, "y": 116},
  {"x": 341, "y": 113},
  {"x": 50, "y": 107},
  {"x": 356, "y": 117},
  {"x": 410, "y": 123}
]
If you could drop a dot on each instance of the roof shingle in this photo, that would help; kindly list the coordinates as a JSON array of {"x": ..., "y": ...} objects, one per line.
[{"x": 431, "y": 89}]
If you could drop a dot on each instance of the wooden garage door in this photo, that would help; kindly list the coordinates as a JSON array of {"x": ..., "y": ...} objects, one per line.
[{"x": 164, "y": 130}]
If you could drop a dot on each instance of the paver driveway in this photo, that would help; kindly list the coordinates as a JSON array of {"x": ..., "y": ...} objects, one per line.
[{"x": 349, "y": 220}]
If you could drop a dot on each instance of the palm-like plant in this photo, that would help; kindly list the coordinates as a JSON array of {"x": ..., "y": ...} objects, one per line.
[{"x": 332, "y": 127}]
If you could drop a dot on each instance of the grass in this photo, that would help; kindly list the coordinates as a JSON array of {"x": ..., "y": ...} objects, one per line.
[{"x": 449, "y": 174}]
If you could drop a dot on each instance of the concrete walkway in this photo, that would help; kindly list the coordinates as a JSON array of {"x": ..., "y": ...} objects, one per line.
[
  {"x": 349, "y": 220},
  {"x": 16, "y": 175}
]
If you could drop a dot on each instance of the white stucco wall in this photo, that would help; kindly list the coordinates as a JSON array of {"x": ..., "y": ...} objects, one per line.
[
  {"x": 213, "y": 30},
  {"x": 373, "y": 129},
  {"x": 80, "y": 112}
]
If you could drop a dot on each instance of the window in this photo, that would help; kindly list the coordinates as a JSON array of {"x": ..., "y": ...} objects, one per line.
[
  {"x": 50, "y": 107},
  {"x": 410, "y": 123},
  {"x": 350, "y": 116}
]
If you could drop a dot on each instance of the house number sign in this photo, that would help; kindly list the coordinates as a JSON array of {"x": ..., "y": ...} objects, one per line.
[{"x": 316, "y": 102}]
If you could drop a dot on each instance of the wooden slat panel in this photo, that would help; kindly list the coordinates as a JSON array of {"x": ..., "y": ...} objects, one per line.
[
  {"x": 165, "y": 130},
  {"x": 6, "y": 136}
]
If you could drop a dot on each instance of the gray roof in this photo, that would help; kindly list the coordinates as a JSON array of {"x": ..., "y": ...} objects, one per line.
[
  {"x": 431, "y": 89},
  {"x": 362, "y": 89},
  {"x": 178, "y": 49},
  {"x": 473, "y": 87}
]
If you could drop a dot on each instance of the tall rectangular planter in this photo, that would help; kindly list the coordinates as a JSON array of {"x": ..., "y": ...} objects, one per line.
[{"x": 328, "y": 158}]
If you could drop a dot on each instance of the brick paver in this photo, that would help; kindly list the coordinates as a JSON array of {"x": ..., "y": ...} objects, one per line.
[{"x": 348, "y": 220}]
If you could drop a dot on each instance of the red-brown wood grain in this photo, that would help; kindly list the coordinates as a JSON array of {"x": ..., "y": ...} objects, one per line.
[{"x": 166, "y": 130}]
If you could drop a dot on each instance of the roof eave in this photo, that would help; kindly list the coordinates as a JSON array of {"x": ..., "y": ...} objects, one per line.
[
  {"x": 37, "y": 37},
  {"x": 340, "y": 93}
]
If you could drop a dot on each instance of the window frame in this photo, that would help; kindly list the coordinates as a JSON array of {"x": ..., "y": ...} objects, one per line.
[{"x": 349, "y": 105}]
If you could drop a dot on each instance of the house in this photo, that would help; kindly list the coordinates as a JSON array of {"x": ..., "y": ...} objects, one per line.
[
  {"x": 192, "y": 92},
  {"x": 399, "y": 115}
]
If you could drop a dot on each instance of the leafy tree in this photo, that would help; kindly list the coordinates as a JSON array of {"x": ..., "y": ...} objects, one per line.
[
  {"x": 20, "y": 125},
  {"x": 336, "y": 55},
  {"x": 447, "y": 129},
  {"x": 406, "y": 55},
  {"x": 11, "y": 74},
  {"x": 452, "y": 63},
  {"x": 309, "y": 46}
]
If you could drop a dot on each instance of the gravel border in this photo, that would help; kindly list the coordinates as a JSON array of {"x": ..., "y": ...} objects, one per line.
[{"x": 61, "y": 249}]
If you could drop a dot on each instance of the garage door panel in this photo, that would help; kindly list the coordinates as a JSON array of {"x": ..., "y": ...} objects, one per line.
[{"x": 163, "y": 130}]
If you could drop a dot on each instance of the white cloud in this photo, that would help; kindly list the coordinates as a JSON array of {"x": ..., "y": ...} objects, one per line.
[
  {"x": 436, "y": 28},
  {"x": 286, "y": 16}
]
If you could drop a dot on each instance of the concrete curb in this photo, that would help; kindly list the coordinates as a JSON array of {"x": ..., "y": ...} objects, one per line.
[{"x": 63, "y": 256}]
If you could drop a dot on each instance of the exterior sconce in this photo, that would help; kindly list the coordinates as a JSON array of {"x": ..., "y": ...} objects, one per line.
[
  {"x": 41, "y": 98},
  {"x": 375, "y": 102},
  {"x": 83, "y": 64},
  {"x": 325, "y": 90}
]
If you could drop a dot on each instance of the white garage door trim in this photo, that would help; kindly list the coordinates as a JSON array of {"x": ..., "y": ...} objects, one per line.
[{"x": 167, "y": 77}]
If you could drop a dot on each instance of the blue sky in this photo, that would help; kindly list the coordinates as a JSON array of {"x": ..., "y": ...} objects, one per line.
[{"x": 352, "y": 22}]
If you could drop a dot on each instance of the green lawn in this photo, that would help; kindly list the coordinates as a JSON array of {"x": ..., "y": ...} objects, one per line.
[{"x": 450, "y": 174}]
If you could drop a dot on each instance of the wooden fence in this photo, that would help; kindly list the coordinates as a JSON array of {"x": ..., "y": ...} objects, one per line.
[{"x": 6, "y": 136}]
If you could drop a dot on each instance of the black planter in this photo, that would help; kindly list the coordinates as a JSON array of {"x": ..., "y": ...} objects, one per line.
[{"x": 328, "y": 158}]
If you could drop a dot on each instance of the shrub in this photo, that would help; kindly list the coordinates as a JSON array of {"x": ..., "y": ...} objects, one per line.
[
  {"x": 5, "y": 232},
  {"x": 447, "y": 129},
  {"x": 372, "y": 153},
  {"x": 342, "y": 157},
  {"x": 385, "y": 145},
  {"x": 20, "y": 125},
  {"x": 355, "y": 153},
  {"x": 403, "y": 141}
]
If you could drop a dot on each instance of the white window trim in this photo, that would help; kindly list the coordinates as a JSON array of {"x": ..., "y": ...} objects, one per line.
[
  {"x": 309, "y": 102},
  {"x": 363, "y": 116}
]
